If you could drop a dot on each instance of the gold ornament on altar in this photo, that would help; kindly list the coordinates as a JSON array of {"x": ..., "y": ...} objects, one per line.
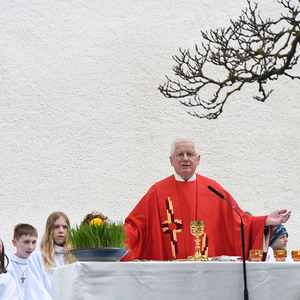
[
  {"x": 197, "y": 229},
  {"x": 296, "y": 255},
  {"x": 280, "y": 255},
  {"x": 256, "y": 255}
]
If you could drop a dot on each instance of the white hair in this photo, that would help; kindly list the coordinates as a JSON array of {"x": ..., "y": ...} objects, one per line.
[{"x": 180, "y": 139}]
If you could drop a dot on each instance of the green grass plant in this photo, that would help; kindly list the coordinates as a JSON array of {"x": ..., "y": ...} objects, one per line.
[{"x": 90, "y": 236}]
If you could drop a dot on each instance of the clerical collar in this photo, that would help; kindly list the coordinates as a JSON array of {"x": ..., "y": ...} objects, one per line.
[{"x": 178, "y": 178}]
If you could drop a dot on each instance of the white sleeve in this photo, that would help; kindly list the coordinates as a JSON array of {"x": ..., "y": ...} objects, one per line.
[
  {"x": 15, "y": 272},
  {"x": 270, "y": 255},
  {"x": 266, "y": 240},
  {"x": 8, "y": 287},
  {"x": 38, "y": 279}
]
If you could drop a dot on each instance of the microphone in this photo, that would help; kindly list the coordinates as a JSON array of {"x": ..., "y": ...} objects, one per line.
[
  {"x": 216, "y": 192},
  {"x": 246, "y": 297},
  {"x": 223, "y": 197}
]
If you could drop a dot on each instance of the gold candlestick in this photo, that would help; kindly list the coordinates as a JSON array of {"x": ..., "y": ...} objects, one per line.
[{"x": 197, "y": 229}]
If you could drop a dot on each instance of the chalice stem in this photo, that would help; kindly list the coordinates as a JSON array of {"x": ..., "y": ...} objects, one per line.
[{"x": 197, "y": 241}]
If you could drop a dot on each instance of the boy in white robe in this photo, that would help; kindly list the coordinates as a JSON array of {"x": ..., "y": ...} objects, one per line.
[{"x": 24, "y": 239}]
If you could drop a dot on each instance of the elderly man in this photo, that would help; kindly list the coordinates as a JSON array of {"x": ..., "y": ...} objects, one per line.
[{"x": 158, "y": 228}]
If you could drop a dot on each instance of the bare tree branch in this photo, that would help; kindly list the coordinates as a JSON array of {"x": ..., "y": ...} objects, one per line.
[{"x": 250, "y": 50}]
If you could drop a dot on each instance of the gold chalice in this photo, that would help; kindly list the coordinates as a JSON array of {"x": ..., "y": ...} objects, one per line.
[
  {"x": 197, "y": 229},
  {"x": 280, "y": 255}
]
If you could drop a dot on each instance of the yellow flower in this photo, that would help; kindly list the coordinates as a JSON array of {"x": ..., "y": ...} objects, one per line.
[{"x": 96, "y": 222}]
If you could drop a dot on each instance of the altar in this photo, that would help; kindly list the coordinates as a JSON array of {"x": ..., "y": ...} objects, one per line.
[{"x": 176, "y": 280}]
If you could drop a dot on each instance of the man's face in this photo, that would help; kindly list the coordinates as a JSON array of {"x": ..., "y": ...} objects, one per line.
[
  {"x": 25, "y": 245},
  {"x": 185, "y": 159},
  {"x": 281, "y": 242}
]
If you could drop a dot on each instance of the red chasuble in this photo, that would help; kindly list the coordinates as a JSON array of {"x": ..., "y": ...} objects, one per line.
[{"x": 158, "y": 228}]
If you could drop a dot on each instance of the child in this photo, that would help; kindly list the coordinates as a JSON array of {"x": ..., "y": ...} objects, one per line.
[
  {"x": 53, "y": 252},
  {"x": 8, "y": 288},
  {"x": 24, "y": 239},
  {"x": 278, "y": 242},
  {"x": 94, "y": 215}
]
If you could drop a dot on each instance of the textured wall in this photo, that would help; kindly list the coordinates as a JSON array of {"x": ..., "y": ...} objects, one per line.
[{"x": 84, "y": 127}]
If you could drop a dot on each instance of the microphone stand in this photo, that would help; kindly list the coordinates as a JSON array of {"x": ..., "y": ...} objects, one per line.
[{"x": 246, "y": 296}]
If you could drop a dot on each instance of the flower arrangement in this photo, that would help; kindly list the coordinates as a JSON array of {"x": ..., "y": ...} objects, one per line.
[{"x": 97, "y": 233}]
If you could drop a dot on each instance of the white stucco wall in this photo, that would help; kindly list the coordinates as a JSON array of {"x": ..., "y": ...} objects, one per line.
[{"x": 84, "y": 127}]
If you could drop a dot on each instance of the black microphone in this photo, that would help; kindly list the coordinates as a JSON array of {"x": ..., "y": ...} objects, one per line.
[
  {"x": 246, "y": 297},
  {"x": 223, "y": 197},
  {"x": 216, "y": 192}
]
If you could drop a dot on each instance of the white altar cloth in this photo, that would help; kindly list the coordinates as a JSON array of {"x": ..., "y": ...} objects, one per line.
[{"x": 176, "y": 280}]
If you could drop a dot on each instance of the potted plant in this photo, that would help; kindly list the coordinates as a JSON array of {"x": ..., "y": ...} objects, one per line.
[{"x": 98, "y": 240}]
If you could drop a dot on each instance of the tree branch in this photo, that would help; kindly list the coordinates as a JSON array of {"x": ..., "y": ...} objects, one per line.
[{"x": 250, "y": 50}]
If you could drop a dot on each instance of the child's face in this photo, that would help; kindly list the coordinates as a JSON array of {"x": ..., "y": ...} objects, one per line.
[
  {"x": 60, "y": 231},
  {"x": 281, "y": 242},
  {"x": 25, "y": 245}
]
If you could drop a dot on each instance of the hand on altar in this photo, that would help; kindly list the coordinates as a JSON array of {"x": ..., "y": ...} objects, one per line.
[{"x": 277, "y": 217}]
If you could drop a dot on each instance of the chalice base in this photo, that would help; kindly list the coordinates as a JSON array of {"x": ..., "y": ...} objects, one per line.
[{"x": 198, "y": 258}]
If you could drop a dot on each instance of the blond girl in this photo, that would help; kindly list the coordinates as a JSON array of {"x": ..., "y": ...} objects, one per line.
[{"x": 52, "y": 253}]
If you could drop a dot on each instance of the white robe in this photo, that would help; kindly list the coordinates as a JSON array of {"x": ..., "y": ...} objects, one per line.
[
  {"x": 39, "y": 279},
  {"x": 8, "y": 287},
  {"x": 17, "y": 268}
]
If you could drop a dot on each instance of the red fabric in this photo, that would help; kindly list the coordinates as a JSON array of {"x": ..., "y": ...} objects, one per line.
[{"x": 156, "y": 231}]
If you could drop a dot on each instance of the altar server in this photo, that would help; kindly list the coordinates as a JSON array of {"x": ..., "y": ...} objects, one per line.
[
  {"x": 8, "y": 287},
  {"x": 278, "y": 241},
  {"x": 24, "y": 239},
  {"x": 52, "y": 253}
]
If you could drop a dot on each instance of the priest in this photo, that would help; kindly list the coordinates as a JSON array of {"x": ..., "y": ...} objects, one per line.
[{"x": 158, "y": 228}]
